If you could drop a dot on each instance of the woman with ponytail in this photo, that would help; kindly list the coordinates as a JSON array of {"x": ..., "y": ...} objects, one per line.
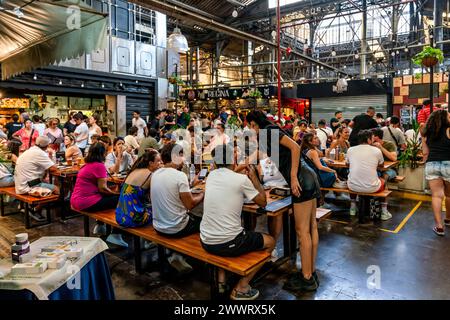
[{"x": 133, "y": 209}]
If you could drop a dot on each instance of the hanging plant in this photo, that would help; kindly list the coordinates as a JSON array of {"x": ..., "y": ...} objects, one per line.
[
  {"x": 428, "y": 57},
  {"x": 255, "y": 94},
  {"x": 418, "y": 76},
  {"x": 173, "y": 79}
]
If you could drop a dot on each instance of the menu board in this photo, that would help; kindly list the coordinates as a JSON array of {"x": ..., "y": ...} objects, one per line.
[{"x": 14, "y": 103}]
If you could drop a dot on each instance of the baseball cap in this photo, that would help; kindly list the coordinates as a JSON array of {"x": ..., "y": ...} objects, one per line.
[{"x": 42, "y": 141}]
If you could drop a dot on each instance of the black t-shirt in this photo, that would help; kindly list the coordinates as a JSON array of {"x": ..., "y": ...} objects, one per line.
[
  {"x": 361, "y": 122},
  {"x": 440, "y": 148},
  {"x": 155, "y": 124},
  {"x": 334, "y": 124},
  {"x": 70, "y": 127},
  {"x": 169, "y": 119},
  {"x": 13, "y": 127}
]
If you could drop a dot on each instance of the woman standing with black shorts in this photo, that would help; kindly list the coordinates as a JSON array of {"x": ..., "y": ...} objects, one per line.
[{"x": 305, "y": 191}]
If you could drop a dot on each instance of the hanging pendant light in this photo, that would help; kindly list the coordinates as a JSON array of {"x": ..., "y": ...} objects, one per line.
[{"x": 177, "y": 41}]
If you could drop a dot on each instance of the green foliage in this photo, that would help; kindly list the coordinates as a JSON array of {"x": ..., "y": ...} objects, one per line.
[
  {"x": 428, "y": 52},
  {"x": 411, "y": 156},
  {"x": 255, "y": 94},
  {"x": 173, "y": 79}
]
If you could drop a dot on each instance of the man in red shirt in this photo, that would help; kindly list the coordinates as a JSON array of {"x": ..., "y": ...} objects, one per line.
[{"x": 424, "y": 114}]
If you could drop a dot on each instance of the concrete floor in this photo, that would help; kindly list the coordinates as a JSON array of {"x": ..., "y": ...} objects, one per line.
[{"x": 412, "y": 263}]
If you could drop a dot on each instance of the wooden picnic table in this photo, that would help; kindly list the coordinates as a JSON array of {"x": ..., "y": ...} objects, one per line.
[{"x": 343, "y": 164}]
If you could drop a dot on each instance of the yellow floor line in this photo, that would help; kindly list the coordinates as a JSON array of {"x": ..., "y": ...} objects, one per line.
[{"x": 405, "y": 220}]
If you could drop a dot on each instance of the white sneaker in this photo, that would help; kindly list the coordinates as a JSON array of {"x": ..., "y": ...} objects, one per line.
[
  {"x": 99, "y": 230},
  {"x": 385, "y": 215},
  {"x": 353, "y": 211},
  {"x": 343, "y": 197},
  {"x": 298, "y": 261},
  {"x": 330, "y": 195},
  {"x": 274, "y": 255},
  {"x": 326, "y": 206},
  {"x": 116, "y": 239},
  {"x": 179, "y": 264}
]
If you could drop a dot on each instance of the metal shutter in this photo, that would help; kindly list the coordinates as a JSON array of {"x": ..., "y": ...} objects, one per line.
[
  {"x": 324, "y": 108},
  {"x": 145, "y": 106}
]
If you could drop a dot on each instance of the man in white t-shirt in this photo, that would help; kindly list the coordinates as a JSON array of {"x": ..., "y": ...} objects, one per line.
[
  {"x": 324, "y": 134},
  {"x": 364, "y": 160},
  {"x": 221, "y": 232},
  {"x": 171, "y": 196},
  {"x": 81, "y": 132},
  {"x": 172, "y": 199},
  {"x": 139, "y": 123},
  {"x": 31, "y": 167}
]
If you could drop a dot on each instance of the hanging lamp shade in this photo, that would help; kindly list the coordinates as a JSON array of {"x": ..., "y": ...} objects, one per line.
[{"x": 177, "y": 41}]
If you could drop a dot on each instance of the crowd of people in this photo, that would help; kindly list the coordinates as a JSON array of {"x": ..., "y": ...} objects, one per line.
[{"x": 159, "y": 174}]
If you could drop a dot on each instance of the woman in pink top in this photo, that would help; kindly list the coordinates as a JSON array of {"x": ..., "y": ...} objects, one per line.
[
  {"x": 27, "y": 135},
  {"x": 91, "y": 192}
]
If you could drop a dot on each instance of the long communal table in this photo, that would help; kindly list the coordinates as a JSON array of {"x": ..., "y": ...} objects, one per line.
[{"x": 338, "y": 164}]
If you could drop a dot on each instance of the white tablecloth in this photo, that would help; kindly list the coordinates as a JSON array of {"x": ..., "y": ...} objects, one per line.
[{"x": 42, "y": 285}]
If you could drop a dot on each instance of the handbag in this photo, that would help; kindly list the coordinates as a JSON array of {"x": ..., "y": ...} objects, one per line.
[{"x": 326, "y": 179}]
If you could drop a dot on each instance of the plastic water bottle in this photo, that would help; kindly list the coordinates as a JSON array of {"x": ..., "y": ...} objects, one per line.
[{"x": 191, "y": 173}]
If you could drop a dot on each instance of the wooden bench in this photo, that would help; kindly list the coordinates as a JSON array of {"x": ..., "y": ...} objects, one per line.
[
  {"x": 28, "y": 201},
  {"x": 190, "y": 246},
  {"x": 364, "y": 198}
]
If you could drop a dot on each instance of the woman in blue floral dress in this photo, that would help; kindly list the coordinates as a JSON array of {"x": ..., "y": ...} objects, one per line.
[{"x": 133, "y": 208}]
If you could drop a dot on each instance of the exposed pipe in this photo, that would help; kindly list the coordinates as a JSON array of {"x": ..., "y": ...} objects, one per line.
[
  {"x": 182, "y": 13},
  {"x": 196, "y": 10}
]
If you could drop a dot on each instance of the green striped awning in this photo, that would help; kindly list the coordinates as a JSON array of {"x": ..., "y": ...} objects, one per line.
[{"x": 48, "y": 32}]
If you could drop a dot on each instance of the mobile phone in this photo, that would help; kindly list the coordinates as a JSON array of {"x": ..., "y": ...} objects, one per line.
[
  {"x": 34, "y": 183},
  {"x": 203, "y": 173}
]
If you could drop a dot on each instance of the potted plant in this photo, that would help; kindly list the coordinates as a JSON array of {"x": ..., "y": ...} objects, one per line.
[
  {"x": 410, "y": 165},
  {"x": 174, "y": 79},
  {"x": 428, "y": 57}
]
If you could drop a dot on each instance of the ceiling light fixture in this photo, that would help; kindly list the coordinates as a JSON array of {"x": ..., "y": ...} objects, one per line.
[
  {"x": 235, "y": 13},
  {"x": 35, "y": 77},
  {"x": 177, "y": 41},
  {"x": 356, "y": 55},
  {"x": 60, "y": 82}
]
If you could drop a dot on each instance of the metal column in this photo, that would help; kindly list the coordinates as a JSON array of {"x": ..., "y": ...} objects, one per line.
[{"x": 363, "y": 55}]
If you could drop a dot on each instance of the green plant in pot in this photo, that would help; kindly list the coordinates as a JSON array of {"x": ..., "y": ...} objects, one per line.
[
  {"x": 428, "y": 57},
  {"x": 413, "y": 153}
]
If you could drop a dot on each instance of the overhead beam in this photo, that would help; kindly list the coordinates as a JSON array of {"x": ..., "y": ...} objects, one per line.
[
  {"x": 196, "y": 10},
  {"x": 181, "y": 13}
]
